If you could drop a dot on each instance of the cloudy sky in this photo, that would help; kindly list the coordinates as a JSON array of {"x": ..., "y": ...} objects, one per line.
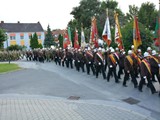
[{"x": 56, "y": 13}]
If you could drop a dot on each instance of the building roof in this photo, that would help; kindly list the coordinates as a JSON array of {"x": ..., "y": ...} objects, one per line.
[
  {"x": 21, "y": 27},
  {"x": 57, "y": 32}
]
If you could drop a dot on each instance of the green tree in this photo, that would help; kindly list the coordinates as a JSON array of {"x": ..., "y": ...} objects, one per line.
[
  {"x": 49, "y": 40},
  {"x": 127, "y": 34},
  {"x": 86, "y": 10},
  {"x": 60, "y": 38},
  {"x": 3, "y": 37},
  {"x": 15, "y": 47},
  {"x": 147, "y": 15},
  {"x": 34, "y": 41},
  {"x": 133, "y": 11}
]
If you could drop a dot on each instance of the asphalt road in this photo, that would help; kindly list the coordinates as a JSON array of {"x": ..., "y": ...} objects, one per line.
[{"x": 48, "y": 79}]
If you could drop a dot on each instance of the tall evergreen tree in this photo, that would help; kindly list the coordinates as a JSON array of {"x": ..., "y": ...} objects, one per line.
[
  {"x": 60, "y": 38},
  {"x": 34, "y": 41},
  {"x": 3, "y": 37},
  {"x": 147, "y": 15},
  {"x": 48, "y": 38}
]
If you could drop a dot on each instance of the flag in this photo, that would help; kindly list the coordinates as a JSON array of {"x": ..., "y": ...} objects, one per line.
[
  {"x": 106, "y": 35},
  {"x": 69, "y": 35},
  {"x": 156, "y": 37},
  {"x": 118, "y": 35},
  {"x": 83, "y": 43},
  {"x": 94, "y": 33},
  {"x": 136, "y": 34},
  {"x": 66, "y": 41},
  {"x": 76, "y": 43}
]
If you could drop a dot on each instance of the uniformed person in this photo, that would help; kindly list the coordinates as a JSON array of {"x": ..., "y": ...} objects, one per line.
[
  {"x": 56, "y": 56},
  {"x": 122, "y": 56},
  {"x": 69, "y": 58},
  {"x": 99, "y": 63},
  {"x": 80, "y": 60},
  {"x": 146, "y": 73},
  {"x": 89, "y": 61},
  {"x": 129, "y": 69},
  {"x": 154, "y": 62},
  {"x": 112, "y": 64}
]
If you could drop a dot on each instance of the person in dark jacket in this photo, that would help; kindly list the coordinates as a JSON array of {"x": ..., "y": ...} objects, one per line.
[
  {"x": 129, "y": 69},
  {"x": 112, "y": 64},
  {"x": 146, "y": 73},
  {"x": 89, "y": 61},
  {"x": 154, "y": 62},
  {"x": 122, "y": 56},
  {"x": 99, "y": 63}
]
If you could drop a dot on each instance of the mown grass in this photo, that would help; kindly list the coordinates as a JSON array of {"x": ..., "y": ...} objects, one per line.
[{"x": 5, "y": 67}]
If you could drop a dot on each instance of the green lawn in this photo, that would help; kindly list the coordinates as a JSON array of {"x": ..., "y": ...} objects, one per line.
[{"x": 5, "y": 67}]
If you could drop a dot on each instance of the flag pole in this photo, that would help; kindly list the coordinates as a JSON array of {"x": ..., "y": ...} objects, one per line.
[{"x": 159, "y": 26}]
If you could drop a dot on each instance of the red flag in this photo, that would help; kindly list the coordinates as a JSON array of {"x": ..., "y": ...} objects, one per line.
[
  {"x": 156, "y": 37},
  {"x": 136, "y": 34},
  {"x": 76, "y": 44},
  {"x": 94, "y": 33},
  {"x": 66, "y": 40},
  {"x": 118, "y": 34}
]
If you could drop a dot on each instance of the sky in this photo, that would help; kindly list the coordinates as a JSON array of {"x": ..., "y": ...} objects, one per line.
[{"x": 55, "y": 13}]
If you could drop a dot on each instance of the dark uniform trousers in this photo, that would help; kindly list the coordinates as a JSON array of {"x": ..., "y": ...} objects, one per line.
[
  {"x": 112, "y": 70},
  {"x": 80, "y": 64},
  {"x": 133, "y": 77},
  {"x": 56, "y": 59},
  {"x": 120, "y": 72},
  {"x": 100, "y": 67},
  {"x": 90, "y": 66},
  {"x": 150, "y": 85},
  {"x": 69, "y": 63},
  {"x": 59, "y": 61}
]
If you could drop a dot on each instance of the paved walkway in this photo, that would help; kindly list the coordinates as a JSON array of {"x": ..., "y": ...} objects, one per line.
[
  {"x": 36, "y": 108},
  {"x": 24, "y": 97}
]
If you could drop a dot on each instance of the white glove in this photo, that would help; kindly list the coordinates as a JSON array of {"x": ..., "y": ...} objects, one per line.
[
  {"x": 144, "y": 77},
  {"x": 78, "y": 61},
  {"x": 128, "y": 71},
  {"x": 89, "y": 62},
  {"x": 110, "y": 66},
  {"x": 99, "y": 63},
  {"x": 159, "y": 65}
]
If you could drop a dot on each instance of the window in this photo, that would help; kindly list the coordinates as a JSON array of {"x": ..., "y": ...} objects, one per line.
[
  {"x": 12, "y": 37},
  {"x": 39, "y": 36},
  {"x": 22, "y": 37},
  {"x": 29, "y": 36}
]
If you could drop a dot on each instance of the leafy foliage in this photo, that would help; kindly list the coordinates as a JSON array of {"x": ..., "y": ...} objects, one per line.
[
  {"x": 49, "y": 40},
  {"x": 88, "y": 8},
  {"x": 60, "y": 38},
  {"x": 16, "y": 47},
  {"x": 3, "y": 37},
  {"x": 147, "y": 15},
  {"x": 34, "y": 41}
]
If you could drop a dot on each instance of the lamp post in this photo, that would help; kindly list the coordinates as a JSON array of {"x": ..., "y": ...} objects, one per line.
[{"x": 7, "y": 49}]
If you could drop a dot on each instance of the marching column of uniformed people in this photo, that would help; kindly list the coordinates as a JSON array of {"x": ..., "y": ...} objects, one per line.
[{"x": 108, "y": 63}]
